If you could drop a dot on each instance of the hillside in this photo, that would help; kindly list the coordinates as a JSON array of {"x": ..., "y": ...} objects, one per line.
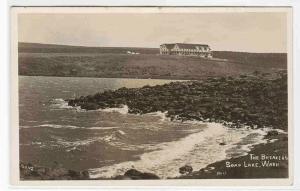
[
  {"x": 52, "y": 48},
  {"x": 114, "y": 62}
]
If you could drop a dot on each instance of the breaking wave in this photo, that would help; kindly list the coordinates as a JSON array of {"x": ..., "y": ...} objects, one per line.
[
  {"x": 59, "y": 103},
  {"x": 117, "y": 138},
  {"x": 161, "y": 115},
  {"x": 57, "y": 126},
  {"x": 197, "y": 149},
  {"x": 213, "y": 143},
  {"x": 123, "y": 110}
]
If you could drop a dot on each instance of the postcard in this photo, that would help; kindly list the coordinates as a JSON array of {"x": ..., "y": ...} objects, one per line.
[{"x": 151, "y": 96}]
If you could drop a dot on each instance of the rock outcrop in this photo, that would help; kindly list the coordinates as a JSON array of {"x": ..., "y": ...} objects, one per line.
[
  {"x": 134, "y": 174},
  {"x": 33, "y": 172},
  {"x": 256, "y": 100},
  {"x": 187, "y": 169}
]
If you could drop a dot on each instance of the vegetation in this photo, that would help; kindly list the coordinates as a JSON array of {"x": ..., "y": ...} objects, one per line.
[{"x": 56, "y": 60}]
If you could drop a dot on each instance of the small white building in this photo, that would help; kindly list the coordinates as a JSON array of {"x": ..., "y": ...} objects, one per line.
[{"x": 202, "y": 50}]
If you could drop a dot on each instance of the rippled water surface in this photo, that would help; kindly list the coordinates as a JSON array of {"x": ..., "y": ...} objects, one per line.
[{"x": 108, "y": 142}]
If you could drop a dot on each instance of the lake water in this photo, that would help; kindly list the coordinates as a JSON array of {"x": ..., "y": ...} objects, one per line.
[{"x": 108, "y": 142}]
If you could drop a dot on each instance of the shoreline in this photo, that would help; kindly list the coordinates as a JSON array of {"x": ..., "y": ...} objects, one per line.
[
  {"x": 256, "y": 101},
  {"x": 265, "y": 160},
  {"x": 275, "y": 153},
  {"x": 127, "y": 78}
]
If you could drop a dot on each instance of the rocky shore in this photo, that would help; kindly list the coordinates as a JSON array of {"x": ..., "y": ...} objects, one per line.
[
  {"x": 274, "y": 165},
  {"x": 29, "y": 171},
  {"x": 256, "y": 100},
  {"x": 269, "y": 160}
]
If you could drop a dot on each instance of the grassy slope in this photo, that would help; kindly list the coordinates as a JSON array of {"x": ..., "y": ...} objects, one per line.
[
  {"x": 53, "y": 48},
  {"x": 56, "y": 60}
]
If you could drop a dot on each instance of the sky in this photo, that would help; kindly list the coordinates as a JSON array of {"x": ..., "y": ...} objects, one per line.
[{"x": 243, "y": 31}]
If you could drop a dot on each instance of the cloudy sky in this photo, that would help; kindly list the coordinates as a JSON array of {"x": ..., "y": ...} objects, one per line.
[{"x": 251, "y": 32}]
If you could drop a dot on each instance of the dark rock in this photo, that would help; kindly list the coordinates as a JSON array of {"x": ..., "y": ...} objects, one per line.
[
  {"x": 89, "y": 106},
  {"x": 187, "y": 169},
  {"x": 84, "y": 175},
  {"x": 31, "y": 172},
  {"x": 136, "y": 175},
  {"x": 272, "y": 133},
  {"x": 74, "y": 174},
  {"x": 245, "y": 100}
]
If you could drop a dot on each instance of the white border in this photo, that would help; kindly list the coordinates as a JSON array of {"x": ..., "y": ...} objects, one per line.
[
  {"x": 151, "y": 3},
  {"x": 4, "y": 67},
  {"x": 140, "y": 10}
]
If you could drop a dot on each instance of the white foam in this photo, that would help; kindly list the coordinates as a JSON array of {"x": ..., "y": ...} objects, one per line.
[
  {"x": 121, "y": 132},
  {"x": 198, "y": 150},
  {"x": 158, "y": 161},
  {"x": 73, "y": 145},
  {"x": 25, "y": 127},
  {"x": 60, "y": 103},
  {"x": 241, "y": 148},
  {"x": 102, "y": 128},
  {"x": 280, "y": 131},
  {"x": 162, "y": 115},
  {"x": 71, "y": 149},
  {"x": 108, "y": 138},
  {"x": 272, "y": 140},
  {"x": 123, "y": 110},
  {"x": 56, "y": 126},
  {"x": 112, "y": 139},
  {"x": 67, "y": 144}
]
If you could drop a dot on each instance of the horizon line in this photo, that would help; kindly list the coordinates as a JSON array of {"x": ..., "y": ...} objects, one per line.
[{"x": 86, "y": 46}]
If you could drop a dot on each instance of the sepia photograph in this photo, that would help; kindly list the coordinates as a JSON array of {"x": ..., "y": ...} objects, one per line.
[{"x": 151, "y": 93}]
